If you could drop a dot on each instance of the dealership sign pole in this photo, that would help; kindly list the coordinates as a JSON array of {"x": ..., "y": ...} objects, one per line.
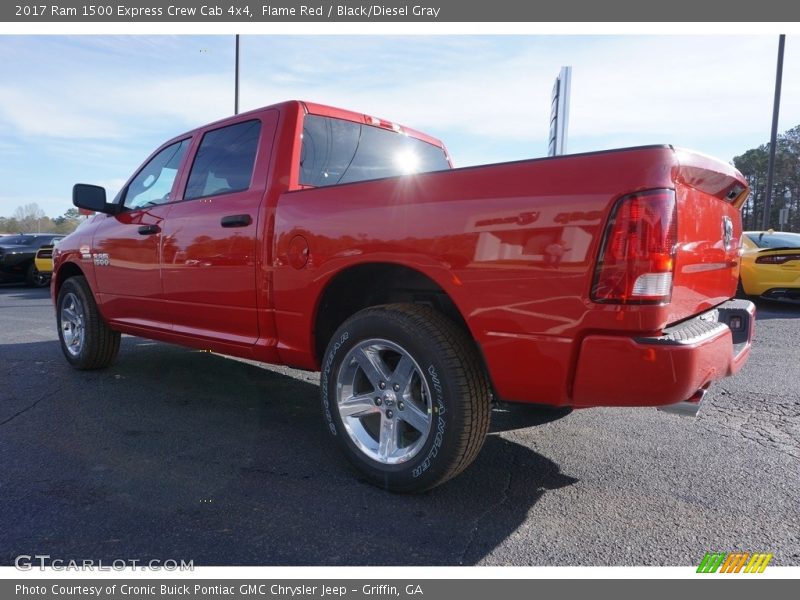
[{"x": 559, "y": 113}]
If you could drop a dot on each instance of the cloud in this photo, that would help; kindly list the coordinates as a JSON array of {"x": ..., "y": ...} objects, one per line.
[
  {"x": 94, "y": 106},
  {"x": 654, "y": 88},
  {"x": 424, "y": 83},
  {"x": 679, "y": 85},
  {"x": 32, "y": 113},
  {"x": 497, "y": 87}
]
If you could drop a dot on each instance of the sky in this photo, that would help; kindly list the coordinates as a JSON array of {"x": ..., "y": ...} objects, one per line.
[{"x": 90, "y": 108}]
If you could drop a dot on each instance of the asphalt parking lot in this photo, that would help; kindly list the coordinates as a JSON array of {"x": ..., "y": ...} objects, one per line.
[{"x": 178, "y": 454}]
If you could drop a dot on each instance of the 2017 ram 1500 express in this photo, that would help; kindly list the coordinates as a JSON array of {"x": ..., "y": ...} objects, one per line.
[{"x": 323, "y": 239}]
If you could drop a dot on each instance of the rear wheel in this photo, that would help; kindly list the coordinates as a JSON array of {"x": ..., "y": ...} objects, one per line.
[
  {"x": 405, "y": 396},
  {"x": 740, "y": 293},
  {"x": 86, "y": 340}
]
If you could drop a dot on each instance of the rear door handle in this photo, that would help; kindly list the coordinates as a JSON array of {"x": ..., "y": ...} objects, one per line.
[
  {"x": 149, "y": 229},
  {"x": 236, "y": 221}
]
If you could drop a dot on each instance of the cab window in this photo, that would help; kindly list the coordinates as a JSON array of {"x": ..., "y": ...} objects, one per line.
[
  {"x": 153, "y": 184},
  {"x": 335, "y": 151},
  {"x": 224, "y": 161}
]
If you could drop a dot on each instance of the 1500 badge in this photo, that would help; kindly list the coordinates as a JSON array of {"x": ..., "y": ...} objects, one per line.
[{"x": 101, "y": 259}]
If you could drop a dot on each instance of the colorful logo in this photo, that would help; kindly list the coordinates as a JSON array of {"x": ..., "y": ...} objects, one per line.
[{"x": 735, "y": 562}]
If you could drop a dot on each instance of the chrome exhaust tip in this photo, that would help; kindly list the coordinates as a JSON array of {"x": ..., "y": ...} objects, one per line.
[{"x": 689, "y": 407}]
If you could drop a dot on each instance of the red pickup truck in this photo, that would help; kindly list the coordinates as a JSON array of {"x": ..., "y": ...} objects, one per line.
[{"x": 324, "y": 239}]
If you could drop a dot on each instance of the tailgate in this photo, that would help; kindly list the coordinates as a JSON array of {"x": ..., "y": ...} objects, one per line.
[{"x": 709, "y": 195}]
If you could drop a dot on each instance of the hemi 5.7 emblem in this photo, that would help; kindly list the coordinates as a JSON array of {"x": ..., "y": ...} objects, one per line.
[
  {"x": 727, "y": 232},
  {"x": 101, "y": 259}
]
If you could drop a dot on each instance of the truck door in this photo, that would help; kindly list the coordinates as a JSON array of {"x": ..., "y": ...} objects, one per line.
[
  {"x": 211, "y": 247},
  {"x": 126, "y": 245}
]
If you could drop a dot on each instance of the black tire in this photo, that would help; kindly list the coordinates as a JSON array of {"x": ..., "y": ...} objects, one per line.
[
  {"x": 740, "y": 293},
  {"x": 453, "y": 390},
  {"x": 34, "y": 278},
  {"x": 98, "y": 344}
]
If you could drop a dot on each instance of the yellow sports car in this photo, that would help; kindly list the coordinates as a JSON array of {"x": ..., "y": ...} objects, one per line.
[
  {"x": 770, "y": 264},
  {"x": 43, "y": 262}
]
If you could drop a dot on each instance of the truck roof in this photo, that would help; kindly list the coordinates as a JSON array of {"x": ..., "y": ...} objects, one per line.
[{"x": 333, "y": 112}]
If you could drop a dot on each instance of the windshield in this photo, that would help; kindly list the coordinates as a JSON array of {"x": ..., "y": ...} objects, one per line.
[
  {"x": 774, "y": 240},
  {"x": 337, "y": 151}
]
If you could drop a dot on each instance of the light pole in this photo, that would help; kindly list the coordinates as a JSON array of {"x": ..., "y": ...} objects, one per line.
[
  {"x": 773, "y": 140},
  {"x": 236, "y": 80}
]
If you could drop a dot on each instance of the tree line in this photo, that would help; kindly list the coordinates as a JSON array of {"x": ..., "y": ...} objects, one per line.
[
  {"x": 785, "y": 182},
  {"x": 32, "y": 219}
]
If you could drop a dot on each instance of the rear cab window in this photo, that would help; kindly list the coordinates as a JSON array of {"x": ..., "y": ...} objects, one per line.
[{"x": 336, "y": 151}]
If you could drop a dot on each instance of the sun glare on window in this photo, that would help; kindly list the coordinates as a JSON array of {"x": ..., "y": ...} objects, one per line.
[{"x": 407, "y": 161}]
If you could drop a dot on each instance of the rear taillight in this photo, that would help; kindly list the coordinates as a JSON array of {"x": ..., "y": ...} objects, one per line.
[
  {"x": 637, "y": 257},
  {"x": 777, "y": 259}
]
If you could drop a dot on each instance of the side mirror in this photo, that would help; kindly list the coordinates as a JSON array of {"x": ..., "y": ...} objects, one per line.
[{"x": 91, "y": 197}]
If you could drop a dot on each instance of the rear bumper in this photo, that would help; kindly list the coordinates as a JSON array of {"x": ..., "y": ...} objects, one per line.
[
  {"x": 666, "y": 369},
  {"x": 781, "y": 293},
  {"x": 770, "y": 280}
]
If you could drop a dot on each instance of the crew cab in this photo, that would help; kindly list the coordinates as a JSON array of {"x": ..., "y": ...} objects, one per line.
[{"x": 324, "y": 239}]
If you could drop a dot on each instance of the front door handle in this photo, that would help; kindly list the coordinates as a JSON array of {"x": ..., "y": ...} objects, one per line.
[
  {"x": 149, "y": 229},
  {"x": 236, "y": 221}
]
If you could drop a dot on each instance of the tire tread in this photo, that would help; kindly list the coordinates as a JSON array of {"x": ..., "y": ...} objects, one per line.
[
  {"x": 103, "y": 342},
  {"x": 470, "y": 382}
]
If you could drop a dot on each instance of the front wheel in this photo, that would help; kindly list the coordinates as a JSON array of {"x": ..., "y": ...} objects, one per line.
[
  {"x": 35, "y": 278},
  {"x": 405, "y": 396},
  {"x": 86, "y": 340}
]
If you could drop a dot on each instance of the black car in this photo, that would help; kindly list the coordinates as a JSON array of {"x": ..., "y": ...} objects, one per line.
[{"x": 16, "y": 257}]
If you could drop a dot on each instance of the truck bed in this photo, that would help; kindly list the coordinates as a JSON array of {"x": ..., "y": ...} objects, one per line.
[{"x": 515, "y": 247}]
